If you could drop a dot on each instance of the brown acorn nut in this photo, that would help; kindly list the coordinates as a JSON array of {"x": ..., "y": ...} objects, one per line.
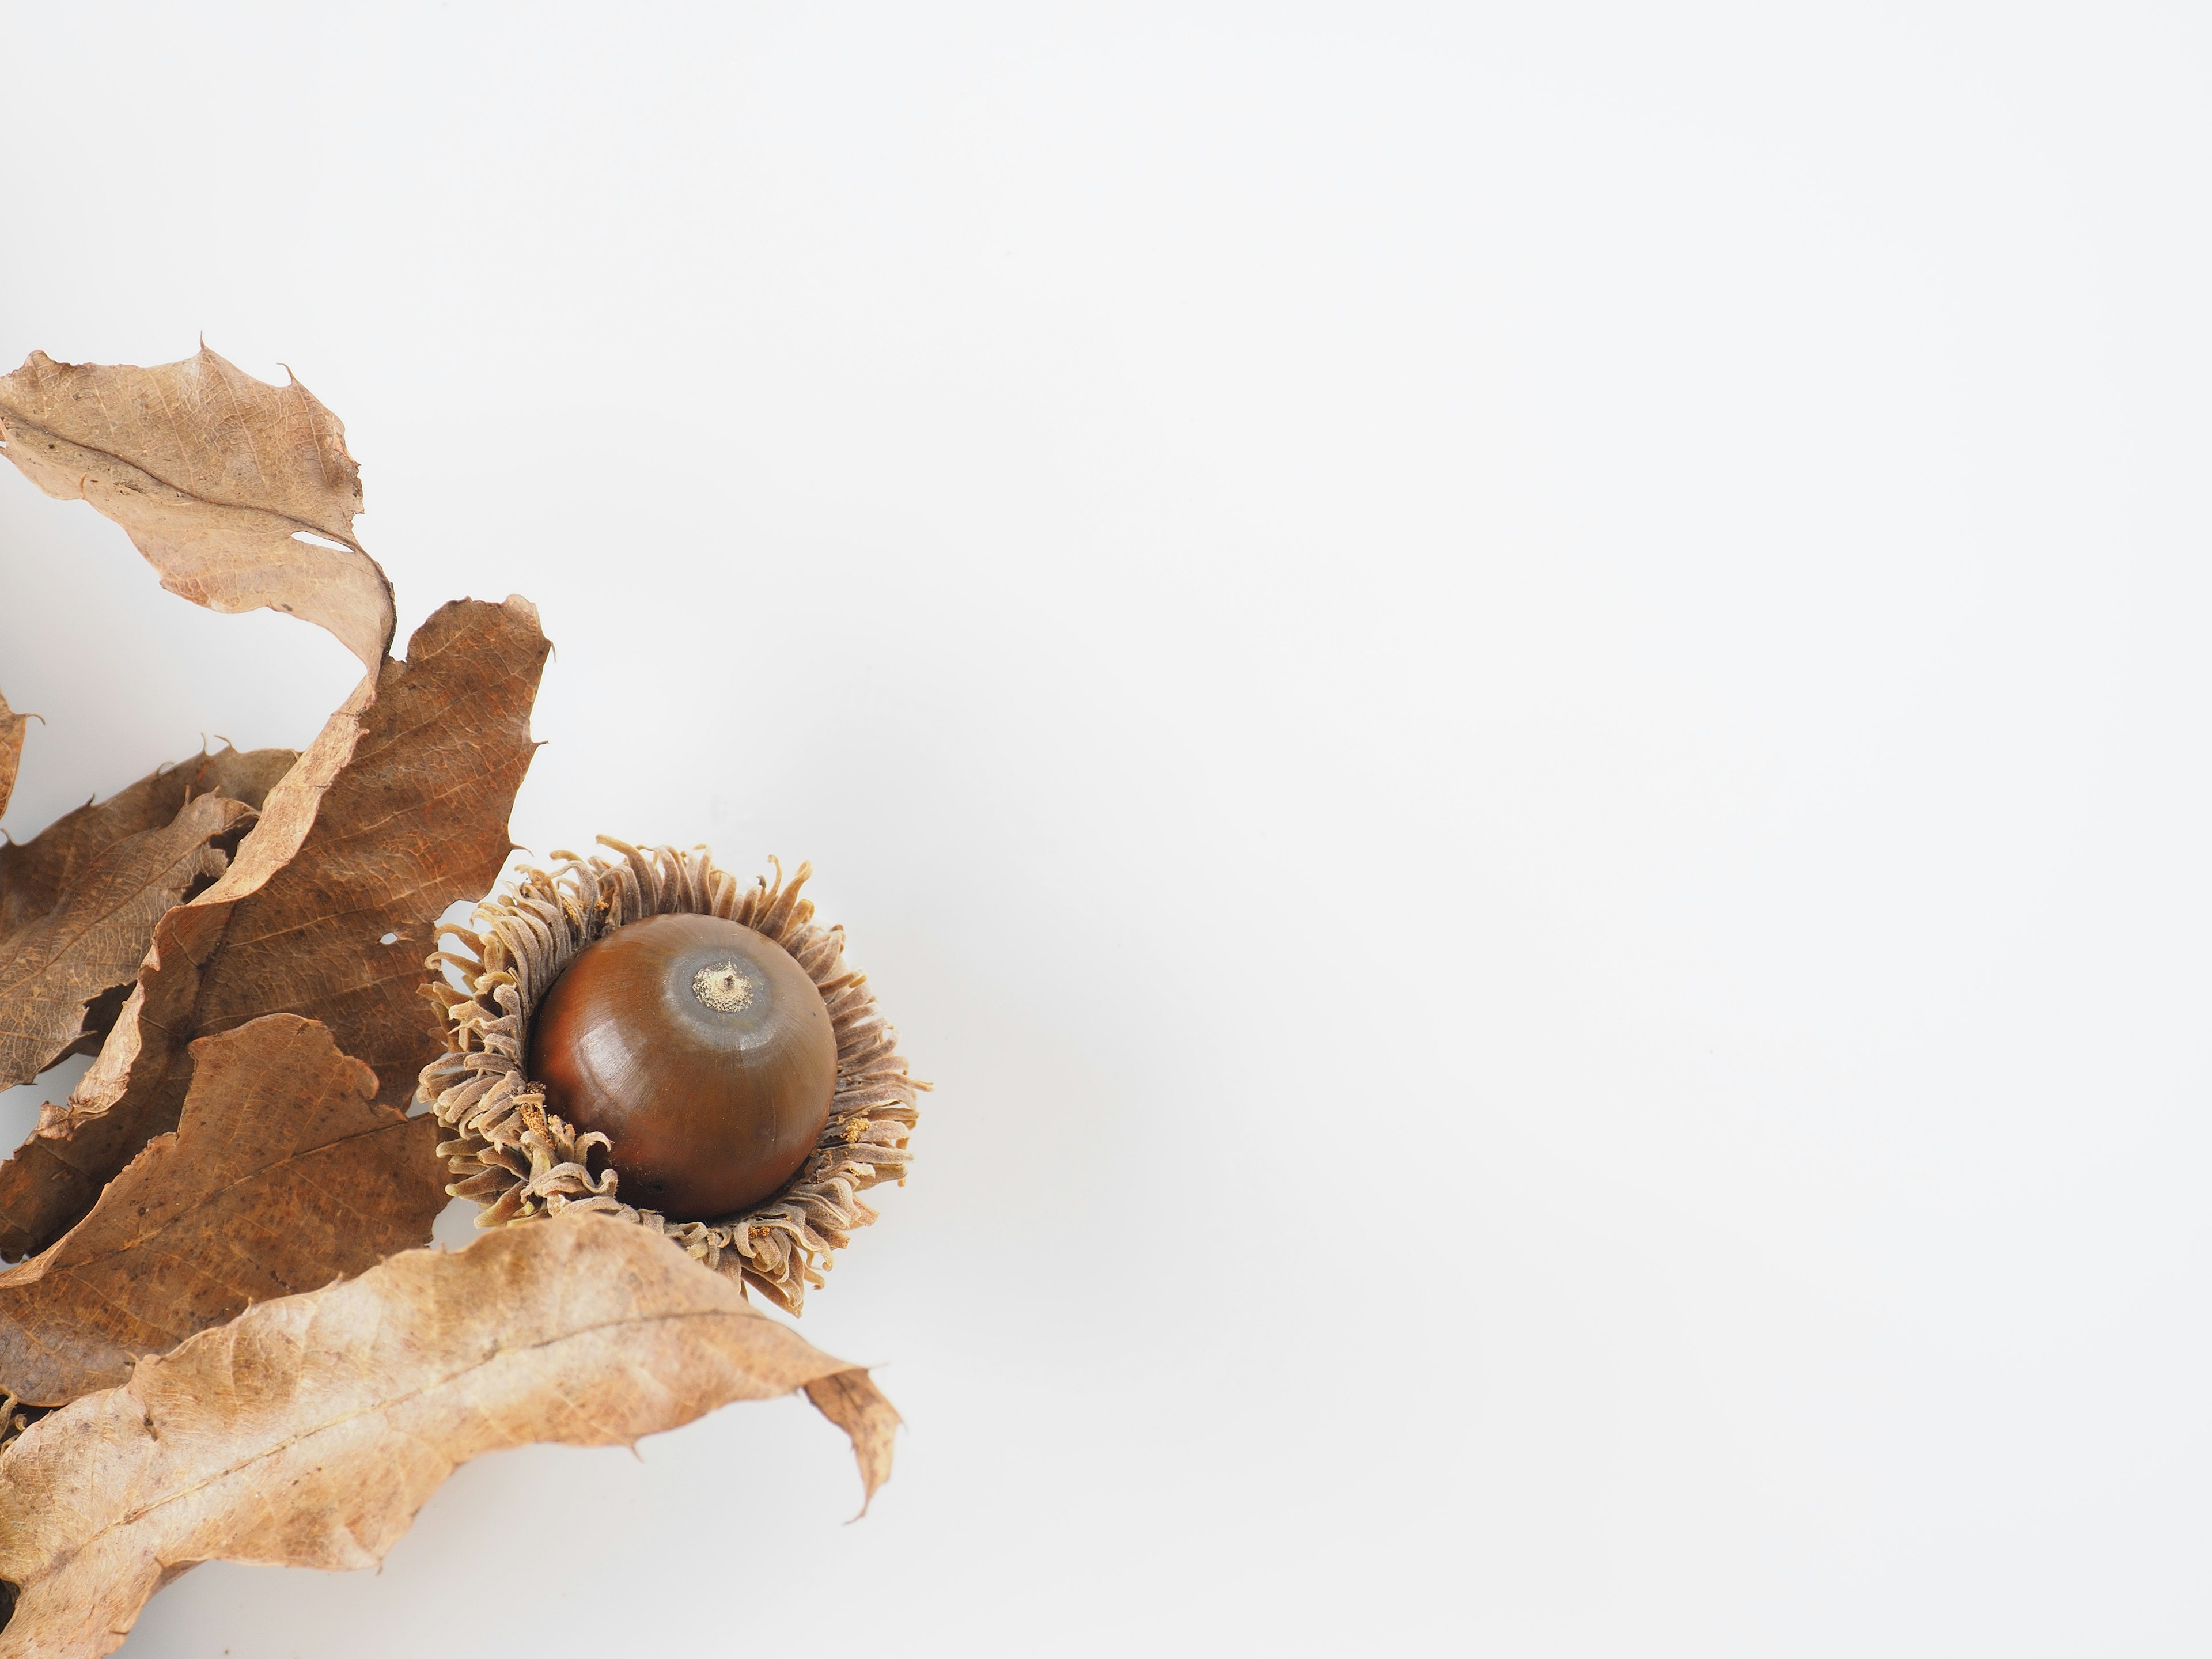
[
  {"x": 701, "y": 1050},
  {"x": 515, "y": 1151}
]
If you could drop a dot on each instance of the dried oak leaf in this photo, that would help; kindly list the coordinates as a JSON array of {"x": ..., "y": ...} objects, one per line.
[
  {"x": 397, "y": 811},
  {"x": 11, "y": 749},
  {"x": 217, "y": 477},
  {"x": 52, "y": 969},
  {"x": 35, "y": 874},
  {"x": 308, "y": 1430},
  {"x": 284, "y": 1175}
]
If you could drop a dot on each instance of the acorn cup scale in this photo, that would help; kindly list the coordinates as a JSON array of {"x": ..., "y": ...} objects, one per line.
[{"x": 701, "y": 1050}]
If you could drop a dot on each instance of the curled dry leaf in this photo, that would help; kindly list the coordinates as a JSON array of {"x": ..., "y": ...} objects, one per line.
[
  {"x": 217, "y": 477},
  {"x": 54, "y": 968},
  {"x": 852, "y": 1400},
  {"x": 396, "y": 811},
  {"x": 11, "y": 749},
  {"x": 284, "y": 1175},
  {"x": 308, "y": 1430}
]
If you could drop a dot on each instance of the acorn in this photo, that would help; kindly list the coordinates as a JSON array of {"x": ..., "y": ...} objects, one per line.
[
  {"x": 701, "y": 1050},
  {"x": 642, "y": 1036}
]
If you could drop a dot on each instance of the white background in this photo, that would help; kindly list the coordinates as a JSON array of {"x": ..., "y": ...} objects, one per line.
[{"x": 1513, "y": 699}]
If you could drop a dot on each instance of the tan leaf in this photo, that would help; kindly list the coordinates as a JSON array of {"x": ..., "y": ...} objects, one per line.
[
  {"x": 852, "y": 1401},
  {"x": 52, "y": 969},
  {"x": 397, "y": 810},
  {"x": 216, "y": 477},
  {"x": 284, "y": 1175},
  {"x": 308, "y": 1430},
  {"x": 11, "y": 749}
]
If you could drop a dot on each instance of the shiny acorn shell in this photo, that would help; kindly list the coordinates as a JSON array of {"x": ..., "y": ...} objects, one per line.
[{"x": 702, "y": 1051}]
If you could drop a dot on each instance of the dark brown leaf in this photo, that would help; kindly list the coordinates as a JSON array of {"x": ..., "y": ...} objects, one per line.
[
  {"x": 308, "y": 1430},
  {"x": 35, "y": 874},
  {"x": 215, "y": 476},
  {"x": 284, "y": 1175},
  {"x": 397, "y": 811},
  {"x": 94, "y": 939}
]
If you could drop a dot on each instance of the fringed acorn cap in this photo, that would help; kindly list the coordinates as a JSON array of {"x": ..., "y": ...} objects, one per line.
[{"x": 521, "y": 1161}]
